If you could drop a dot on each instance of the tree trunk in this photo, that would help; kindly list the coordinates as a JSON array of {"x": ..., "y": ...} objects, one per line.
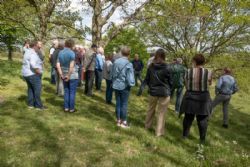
[
  {"x": 97, "y": 34},
  {"x": 43, "y": 28},
  {"x": 10, "y": 53},
  {"x": 97, "y": 23}
]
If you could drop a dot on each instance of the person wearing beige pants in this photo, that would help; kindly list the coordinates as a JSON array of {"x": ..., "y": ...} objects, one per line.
[
  {"x": 161, "y": 109},
  {"x": 159, "y": 81}
]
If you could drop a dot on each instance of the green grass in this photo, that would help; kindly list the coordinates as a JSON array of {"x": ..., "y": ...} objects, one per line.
[{"x": 91, "y": 138}]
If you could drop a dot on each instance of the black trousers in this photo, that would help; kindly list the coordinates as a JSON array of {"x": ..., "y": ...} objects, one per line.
[
  {"x": 90, "y": 76},
  {"x": 98, "y": 79},
  {"x": 202, "y": 121},
  {"x": 137, "y": 76}
]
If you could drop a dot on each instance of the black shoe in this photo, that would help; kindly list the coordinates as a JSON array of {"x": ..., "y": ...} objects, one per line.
[{"x": 225, "y": 126}]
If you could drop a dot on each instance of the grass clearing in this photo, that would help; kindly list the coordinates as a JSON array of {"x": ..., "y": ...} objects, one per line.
[{"x": 91, "y": 138}]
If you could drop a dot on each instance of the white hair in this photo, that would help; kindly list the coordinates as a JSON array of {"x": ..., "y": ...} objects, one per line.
[
  {"x": 55, "y": 42},
  {"x": 179, "y": 60},
  {"x": 100, "y": 50}
]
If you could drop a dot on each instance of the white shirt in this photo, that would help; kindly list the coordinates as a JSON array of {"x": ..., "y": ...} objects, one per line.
[
  {"x": 31, "y": 61},
  {"x": 51, "y": 51},
  {"x": 25, "y": 49}
]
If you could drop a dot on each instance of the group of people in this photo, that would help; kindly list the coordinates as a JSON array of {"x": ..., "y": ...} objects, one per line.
[{"x": 72, "y": 64}]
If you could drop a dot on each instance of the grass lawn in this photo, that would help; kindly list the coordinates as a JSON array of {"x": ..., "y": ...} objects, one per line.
[{"x": 91, "y": 138}]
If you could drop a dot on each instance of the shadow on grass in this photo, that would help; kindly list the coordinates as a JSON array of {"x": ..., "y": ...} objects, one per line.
[
  {"x": 54, "y": 101},
  {"x": 49, "y": 89},
  {"x": 239, "y": 127},
  {"x": 44, "y": 140}
]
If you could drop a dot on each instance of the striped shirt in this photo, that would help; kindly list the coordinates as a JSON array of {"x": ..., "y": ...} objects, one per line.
[{"x": 197, "y": 79}]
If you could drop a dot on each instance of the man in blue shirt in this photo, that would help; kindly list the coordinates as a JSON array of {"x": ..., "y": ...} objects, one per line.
[
  {"x": 225, "y": 87},
  {"x": 68, "y": 71},
  {"x": 99, "y": 68},
  {"x": 32, "y": 70},
  {"x": 122, "y": 79}
]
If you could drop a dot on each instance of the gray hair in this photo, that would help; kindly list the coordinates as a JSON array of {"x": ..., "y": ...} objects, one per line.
[
  {"x": 179, "y": 60},
  {"x": 125, "y": 50}
]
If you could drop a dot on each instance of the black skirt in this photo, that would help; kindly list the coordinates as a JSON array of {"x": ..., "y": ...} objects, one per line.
[{"x": 198, "y": 103}]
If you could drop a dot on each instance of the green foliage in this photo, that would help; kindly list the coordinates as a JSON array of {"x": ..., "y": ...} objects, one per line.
[
  {"x": 131, "y": 38},
  {"x": 187, "y": 27}
]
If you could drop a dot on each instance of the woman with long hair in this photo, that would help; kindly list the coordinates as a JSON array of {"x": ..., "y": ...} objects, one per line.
[{"x": 159, "y": 81}]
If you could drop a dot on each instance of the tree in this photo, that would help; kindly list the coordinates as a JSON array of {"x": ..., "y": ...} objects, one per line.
[
  {"x": 187, "y": 27},
  {"x": 10, "y": 37},
  {"x": 41, "y": 19},
  {"x": 131, "y": 38},
  {"x": 103, "y": 10}
]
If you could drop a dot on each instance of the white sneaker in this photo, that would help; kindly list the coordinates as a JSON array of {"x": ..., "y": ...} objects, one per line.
[
  {"x": 119, "y": 123},
  {"x": 125, "y": 126}
]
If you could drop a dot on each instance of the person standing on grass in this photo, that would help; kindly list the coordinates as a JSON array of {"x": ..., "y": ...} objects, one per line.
[
  {"x": 107, "y": 70},
  {"x": 54, "y": 60},
  {"x": 122, "y": 80},
  {"x": 53, "y": 69},
  {"x": 138, "y": 67},
  {"x": 79, "y": 62},
  {"x": 178, "y": 82},
  {"x": 68, "y": 71},
  {"x": 99, "y": 68},
  {"x": 224, "y": 89},
  {"x": 39, "y": 51},
  {"x": 89, "y": 68},
  {"x": 159, "y": 81},
  {"x": 32, "y": 70},
  {"x": 196, "y": 101}
]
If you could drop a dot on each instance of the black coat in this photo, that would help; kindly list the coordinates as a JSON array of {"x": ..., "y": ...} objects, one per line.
[{"x": 159, "y": 80}]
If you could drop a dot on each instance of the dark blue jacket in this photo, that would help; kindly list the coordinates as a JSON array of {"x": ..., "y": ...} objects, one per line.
[{"x": 137, "y": 65}]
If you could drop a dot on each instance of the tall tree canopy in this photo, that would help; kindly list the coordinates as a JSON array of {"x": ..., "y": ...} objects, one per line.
[{"x": 187, "y": 27}]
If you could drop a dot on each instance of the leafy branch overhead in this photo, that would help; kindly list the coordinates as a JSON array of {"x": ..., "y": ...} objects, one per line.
[
  {"x": 103, "y": 10},
  {"x": 210, "y": 27},
  {"x": 42, "y": 19}
]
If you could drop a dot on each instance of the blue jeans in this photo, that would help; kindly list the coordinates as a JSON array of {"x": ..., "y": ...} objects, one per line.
[
  {"x": 98, "y": 79},
  {"x": 70, "y": 93},
  {"x": 109, "y": 91},
  {"x": 34, "y": 84},
  {"x": 122, "y": 103},
  {"x": 178, "y": 98}
]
